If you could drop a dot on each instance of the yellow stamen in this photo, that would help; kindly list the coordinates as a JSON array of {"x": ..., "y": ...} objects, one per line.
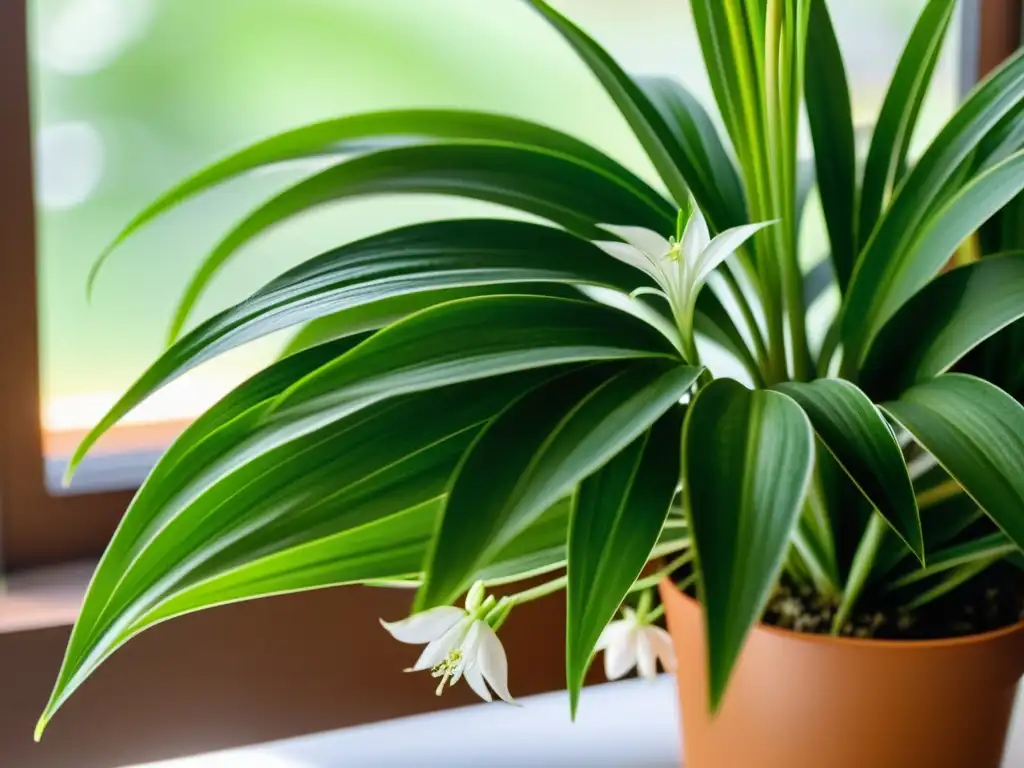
[{"x": 446, "y": 669}]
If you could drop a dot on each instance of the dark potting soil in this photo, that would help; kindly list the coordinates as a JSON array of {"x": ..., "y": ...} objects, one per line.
[{"x": 990, "y": 601}]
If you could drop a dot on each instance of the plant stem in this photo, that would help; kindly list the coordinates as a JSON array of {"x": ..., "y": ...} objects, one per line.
[
  {"x": 541, "y": 590},
  {"x": 817, "y": 512},
  {"x": 652, "y": 580},
  {"x": 816, "y": 568},
  {"x": 682, "y": 586},
  {"x": 550, "y": 587},
  {"x": 863, "y": 561}
]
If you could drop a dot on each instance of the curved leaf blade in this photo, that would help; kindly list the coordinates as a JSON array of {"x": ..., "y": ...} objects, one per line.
[
  {"x": 270, "y": 490},
  {"x": 943, "y": 322},
  {"x": 379, "y": 314},
  {"x": 556, "y": 187},
  {"x": 893, "y": 264},
  {"x": 890, "y": 142},
  {"x": 853, "y": 430},
  {"x": 472, "y": 339},
  {"x": 831, "y": 121},
  {"x": 617, "y": 516},
  {"x": 747, "y": 461},
  {"x": 535, "y": 452},
  {"x": 647, "y": 123},
  {"x": 701, "y": 155},
  {"x": 976, "y": 432},
  {"x": 404, "y": 261},
  {"x": 356, "y": 132}
]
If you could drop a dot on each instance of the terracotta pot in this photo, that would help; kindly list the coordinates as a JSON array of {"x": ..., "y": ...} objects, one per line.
[{"x": 808, "y": 701}]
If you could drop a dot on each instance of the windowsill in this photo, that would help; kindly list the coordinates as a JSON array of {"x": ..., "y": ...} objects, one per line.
[
  {"x": 627, "y": 723},
  {"x": 43, "y": 597}
]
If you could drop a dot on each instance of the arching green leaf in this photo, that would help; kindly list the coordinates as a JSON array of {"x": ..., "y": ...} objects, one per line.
[
  {"x": 363, "y": 132},
  {"x": 747, "y": 461},
  {"x": 831, "y": 121},
  {"x": 471, "y": 339},
  {"x": 894, "y": 264},
  {"x": 648, "y": 124},
  {"x": 535, "y": 452},
  {"x": 572, "y": 194},
  {"x": 976, "y": 432},
  {"x": 618, "y": 513},
  {"x": 404, "y": 261},
  {"x": 853, "y": 430},
  {"x": 945, "y": 320},
  {"x": 890, "y": 142}
]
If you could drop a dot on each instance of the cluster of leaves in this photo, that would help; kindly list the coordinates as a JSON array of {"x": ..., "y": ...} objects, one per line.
[{"x": 494, "y": 399}]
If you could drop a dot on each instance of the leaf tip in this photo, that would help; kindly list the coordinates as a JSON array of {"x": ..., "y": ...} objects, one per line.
[{"x": 37, "y": 734}]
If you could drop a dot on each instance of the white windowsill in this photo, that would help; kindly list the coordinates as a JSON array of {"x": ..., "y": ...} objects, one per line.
[{"x": 630, "y": 723}]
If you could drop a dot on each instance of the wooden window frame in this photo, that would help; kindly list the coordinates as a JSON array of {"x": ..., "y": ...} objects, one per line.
[{"x": 318, "y": 663}]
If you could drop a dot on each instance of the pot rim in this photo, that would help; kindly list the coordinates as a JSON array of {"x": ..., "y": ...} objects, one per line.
[{"x": 857, "y": 642}]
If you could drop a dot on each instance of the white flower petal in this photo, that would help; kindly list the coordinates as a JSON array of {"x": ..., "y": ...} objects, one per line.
[
  {"x": 471, "y": 645},
  {"x": 646, "y": 663},
  {"x": 644, "y": 240},
  {"x": 661, "y": 641},
  {"x": 723, "y": 246},
  {"x": 695, "y": 237},
  {"x": 613, "y": 634},
  {"x": 476, "y": 681},
  {"x": 621, "y": 657},
  {"x": 439, "y": 649},
  {"x": 426, "y": 626},
  {"x": 492, "y": 662},
  {"x": 629, "y": 255}
]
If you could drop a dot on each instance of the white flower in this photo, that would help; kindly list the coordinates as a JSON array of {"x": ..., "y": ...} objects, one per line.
[
  {"x": 632, "y": 642},
  {"x": 460, "y": 643},
  {"x": 680, "y": 268}
]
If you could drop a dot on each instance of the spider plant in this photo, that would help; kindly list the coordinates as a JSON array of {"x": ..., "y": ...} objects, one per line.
[{"x": 487, "y": 400}]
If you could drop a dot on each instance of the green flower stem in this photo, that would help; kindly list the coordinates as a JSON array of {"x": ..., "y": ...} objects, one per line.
[
  {"x": 652, "y": 581},
  {"x": 550, "y": 587},
  {"x": 541, "y": 590}
]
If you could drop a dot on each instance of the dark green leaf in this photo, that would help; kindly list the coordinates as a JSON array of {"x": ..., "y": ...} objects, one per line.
[
  {"x": 378, "y": 314},
  {"x": 617, "y": 516},
  {"x": 472, "y": 339},
  {"x": 945, "y": 320},
  {"x": 976, "y": 432},
  {"x": 701, "y": 155},
  {"x": 359, "y": 132},
  {"x": 984, "y": 548},
  {"x": 720, "y": 59},
  {"x": 648, "y": 124},
  {"x": 887, "y": 156},
  {"x": 864, "y": 445},
  {"x": 572, "y": 194},
  {"x": 747, "y": 461},
  {"x": 912, "y": 240},
  {"x": 266, "y": 489},
  {"x": 536, "y": 452},
  {"x": 412, "y": 259},
  {"x": 831, "y": 122}
]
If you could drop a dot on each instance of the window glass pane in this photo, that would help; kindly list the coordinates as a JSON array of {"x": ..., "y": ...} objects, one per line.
[{"x": 130, "y": 95}]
